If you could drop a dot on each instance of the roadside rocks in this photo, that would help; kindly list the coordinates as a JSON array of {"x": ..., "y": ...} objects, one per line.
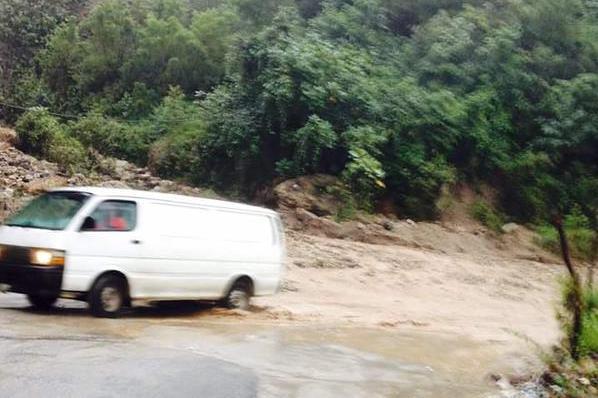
[
  {"x": 336, "y": 263},
  {"x": 529, "y": 390},
  {"x": 23, "y": 176},
  {"x": 510, "y": 228},
  {"x": 305, "y": 216},
  {"x": 77, "y": 179},
  {"x": 37, "y": 186},
  {"x": 302, "y": 220},
  {"x": 312, "y": 193},
  {"x": 518, "y": 387},
  {"x": 388, "y": 225},
  {"x": 113, "y": 184},
  {"x": 7, "y": 135}
]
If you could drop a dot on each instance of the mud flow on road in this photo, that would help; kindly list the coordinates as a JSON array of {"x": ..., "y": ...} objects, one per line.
[{"x": 190, "y": 351}]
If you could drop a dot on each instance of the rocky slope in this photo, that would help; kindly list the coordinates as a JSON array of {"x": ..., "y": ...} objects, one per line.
[{"x": 22, "y": 176}]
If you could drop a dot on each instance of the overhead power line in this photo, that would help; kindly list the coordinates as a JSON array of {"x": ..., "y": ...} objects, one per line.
[
  {"x": 24, "y": 108},
  {"x": 79, "y": 117}
]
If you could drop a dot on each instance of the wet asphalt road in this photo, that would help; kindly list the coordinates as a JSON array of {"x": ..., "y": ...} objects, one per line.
[
  {"x": 191, "y": 352},
  {"x": 75, "y": 368},
  {"x": 40, "y": 357}
]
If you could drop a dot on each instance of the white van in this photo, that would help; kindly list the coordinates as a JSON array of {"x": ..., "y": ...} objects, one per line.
[{"x": 112, "y": 246}]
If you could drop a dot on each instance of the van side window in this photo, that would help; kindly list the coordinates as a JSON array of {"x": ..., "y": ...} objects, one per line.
[{"x": 112, "y": 215}]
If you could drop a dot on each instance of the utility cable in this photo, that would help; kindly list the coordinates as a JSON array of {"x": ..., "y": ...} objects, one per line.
[{"x": 79, "y": 117}]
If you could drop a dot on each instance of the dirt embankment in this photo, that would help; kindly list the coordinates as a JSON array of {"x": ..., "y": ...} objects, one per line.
[
  {"x": 487, "y": 294},
  {"x": 453, "y": 276}
]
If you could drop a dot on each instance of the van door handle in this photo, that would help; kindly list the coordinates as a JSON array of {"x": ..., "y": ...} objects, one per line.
[{"x": 136, "y": 242}]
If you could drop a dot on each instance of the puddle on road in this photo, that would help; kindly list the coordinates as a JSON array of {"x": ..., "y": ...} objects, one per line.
[
  {"x": 314, "y": 361},
  {"x": 295, "y": 360}
]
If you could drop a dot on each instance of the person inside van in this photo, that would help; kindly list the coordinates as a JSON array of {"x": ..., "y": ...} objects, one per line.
[{"x": 117, "y": 221}]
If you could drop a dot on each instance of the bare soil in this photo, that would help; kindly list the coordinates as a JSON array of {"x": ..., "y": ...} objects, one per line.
[
  {"x": 484, "y": 292},
  {"x": 452, "y": 276}
]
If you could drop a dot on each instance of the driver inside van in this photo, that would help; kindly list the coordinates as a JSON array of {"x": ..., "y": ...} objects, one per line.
[
  {"x": 111, "y": 220},
  {"x": 117, "y": 221}
]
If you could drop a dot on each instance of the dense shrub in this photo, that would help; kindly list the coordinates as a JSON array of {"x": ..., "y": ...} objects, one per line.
[
  {"x": 69, "y": 153},
  {"x": 311, "y": 142},
  {"x": 364, "y": 175},
  {"x": 36, "y": 130},
  {"x": 41, "y": 134},
  {"x": 175, "y": 155},
  {"x": 115, "y": 138},
  {"x": 179, "y": 124}
]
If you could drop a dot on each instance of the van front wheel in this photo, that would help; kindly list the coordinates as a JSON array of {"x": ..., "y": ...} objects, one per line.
[
  {"x": 239, "y": 296},
  {"x": 108, "y": 297},
  {"x": 42, "y": 302}
]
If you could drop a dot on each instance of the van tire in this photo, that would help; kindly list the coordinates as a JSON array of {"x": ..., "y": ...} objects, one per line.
[
  {"x": 239, "y": 296},
  {"x": 108, "y": 297},
  {"x": 41, "y": 302}
]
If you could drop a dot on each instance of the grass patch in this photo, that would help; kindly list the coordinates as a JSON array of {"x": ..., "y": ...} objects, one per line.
[
  {"x": 579, "y": 234},
  {"x": 488, "y": 216},
  {"x": 347, "y": 204},
  {"x": 588, "y": 342},
  {"x": 588, "y": 339},
  {"x": 575, "y": 379}
]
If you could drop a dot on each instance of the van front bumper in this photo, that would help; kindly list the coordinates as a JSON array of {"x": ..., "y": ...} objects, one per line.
[{"x": 28, "y": 279}]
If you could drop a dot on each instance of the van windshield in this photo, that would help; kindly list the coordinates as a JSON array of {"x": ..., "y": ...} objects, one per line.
[{"x": 52, "y": 211}]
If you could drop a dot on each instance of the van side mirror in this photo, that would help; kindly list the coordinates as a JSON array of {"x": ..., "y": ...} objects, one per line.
[{"x": 89, "y": 224}]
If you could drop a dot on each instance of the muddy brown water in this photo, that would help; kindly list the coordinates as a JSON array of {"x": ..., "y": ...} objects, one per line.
[{"x": 285, "y": 359}]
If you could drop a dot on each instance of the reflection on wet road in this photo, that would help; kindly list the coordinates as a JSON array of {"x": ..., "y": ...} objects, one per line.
[{"x": 192, "y": 353}]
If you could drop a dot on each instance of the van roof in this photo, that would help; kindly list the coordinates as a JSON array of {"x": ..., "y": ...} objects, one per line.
[{"x": 168, "y": 197}]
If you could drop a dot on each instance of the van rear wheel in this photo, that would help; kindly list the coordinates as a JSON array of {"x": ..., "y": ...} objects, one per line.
[
  {"x": 239, "y": 296},
  {"x": 42, "y": 302},
  {"x": 108, "y": 297}
]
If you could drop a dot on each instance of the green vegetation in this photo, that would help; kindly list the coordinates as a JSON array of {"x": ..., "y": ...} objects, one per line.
[
  {"x": 348, "y": 207},
  {"x": 579, "y": 233},
  {"x": 25, "y": 26},
  {"x": 36, "y": 130},
  {"x": 589, "y": 332},
  {"x": 576, "y": 378},
  {"x": 399, "y": 98},
  {"x": 588, "y": 341},
  {"x": 571, "y": 377},
  {"x": 40, "y": 134},
  {"x": 487, "y": 215}
]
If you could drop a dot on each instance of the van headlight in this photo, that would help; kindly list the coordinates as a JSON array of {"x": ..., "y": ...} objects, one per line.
[{"x": 47, "y": 257}]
